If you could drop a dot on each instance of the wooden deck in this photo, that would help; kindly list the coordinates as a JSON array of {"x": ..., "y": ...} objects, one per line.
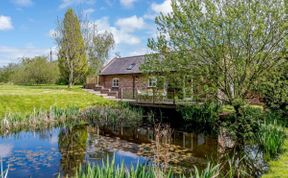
[{"x": 153, "y": 104}]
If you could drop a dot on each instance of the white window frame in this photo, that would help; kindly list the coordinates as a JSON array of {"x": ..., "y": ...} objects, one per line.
[
  {"x": 152, "y": 82},
  {"x": 115, "y": 82}
]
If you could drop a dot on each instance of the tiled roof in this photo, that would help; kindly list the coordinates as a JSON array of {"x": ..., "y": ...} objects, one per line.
[{"x": 124, "y": 65}]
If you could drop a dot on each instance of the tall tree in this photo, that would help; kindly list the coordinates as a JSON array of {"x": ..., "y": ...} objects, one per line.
[
  {"x": 98, "y": 45},
  {"x": 228, "y": 44},
  {"x": 72, "y": 56}
]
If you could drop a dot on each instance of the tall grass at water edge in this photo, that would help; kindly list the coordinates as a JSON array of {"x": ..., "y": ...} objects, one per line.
[
  {"x": 54, "y": 117},
  {"x": 271, "y": 137},
  {"x": 109, "y": 169}
]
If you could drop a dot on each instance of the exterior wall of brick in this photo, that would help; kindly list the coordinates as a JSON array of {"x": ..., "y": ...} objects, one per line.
[{"x": 125, "y": 88}]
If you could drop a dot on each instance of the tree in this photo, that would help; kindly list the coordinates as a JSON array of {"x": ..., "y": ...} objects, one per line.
[
  {"x": 7, "y": 72},
  {"x": 37, "y": 70},
  {"x": 274, "y": 88},
  {"x": 98, "y": 46},
  {"x": 72, "y": 56},
  {"x": 226, "y": 45}
]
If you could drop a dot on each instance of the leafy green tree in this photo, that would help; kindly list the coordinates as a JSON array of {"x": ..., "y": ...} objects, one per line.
[
  {"x": 7, "y": 72},
  {"x": 98, "y": 45},
  {"x": 224, "y": 45},
  {"x": 99, "y": 51},
  {"x": 37, "y": 70},
  {"x": 72, "y": 55},
  {"x": 274, "y": 88}
]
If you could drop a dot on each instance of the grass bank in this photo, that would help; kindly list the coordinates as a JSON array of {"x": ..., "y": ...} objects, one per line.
[
  {"x": 279, "y": 167},
  {"x": 25, "y": 99}
]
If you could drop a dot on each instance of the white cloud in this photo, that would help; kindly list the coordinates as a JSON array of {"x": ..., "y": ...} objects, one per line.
[
  {"x": 155, "y": 9},
  {"x": 164, "y": 7},
  {"x": 120, "y": 36},
  {"x": 22, "y": 3},
  {"x": 12, "y": 54},
  {"x": 131, "y": 24},
  {"x": 5, "y": 23},
  {"x": 88, "y": 12},
  {"x": 139, "y": 51},
  {"x": 127, "y": 3},
  {"x": 67, "y": 3}
]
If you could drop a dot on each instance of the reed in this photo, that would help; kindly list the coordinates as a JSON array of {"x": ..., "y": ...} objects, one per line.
[
  {"x": 109, "y": 169},
  {"x": 4, "y": 173},
  {"x": 55, "y": 117}
]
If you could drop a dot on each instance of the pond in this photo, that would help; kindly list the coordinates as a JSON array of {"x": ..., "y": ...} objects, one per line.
[{"x": 51, "y": 152}]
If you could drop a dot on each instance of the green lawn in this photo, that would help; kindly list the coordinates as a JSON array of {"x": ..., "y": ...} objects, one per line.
[
  {"x": 24, "y": 99},
  {"x": 279, "y": 168}
]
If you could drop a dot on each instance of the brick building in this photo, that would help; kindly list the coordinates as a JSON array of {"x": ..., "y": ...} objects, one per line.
[{"x": 122, "y": 78}]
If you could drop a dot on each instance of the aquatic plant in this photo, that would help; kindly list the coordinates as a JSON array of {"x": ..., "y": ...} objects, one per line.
[
  {"x": 4, "y": 173},
  {"x": 55, "y": 116},
  {"x": 110, "y": 169},
  {"x": 113, "y": 115},
  {"x": 236, "y": 168},
  {"x": 211, "y": 171},
  {"x": 271, "y": 137},
  {"x": 40, "y": 119}
]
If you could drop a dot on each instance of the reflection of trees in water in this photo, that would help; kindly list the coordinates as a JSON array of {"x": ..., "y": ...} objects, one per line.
[{"x": 72, "y": 146}]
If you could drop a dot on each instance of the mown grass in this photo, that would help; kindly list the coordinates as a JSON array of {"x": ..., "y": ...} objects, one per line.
[
  {"x": 279, "y": 167},
  {"x": 25, "y": 99}
]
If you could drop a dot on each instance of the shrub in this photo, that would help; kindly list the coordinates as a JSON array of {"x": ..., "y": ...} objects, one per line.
[
  {"x": 245, "y": 125},
  {"x": 205, "y": 114}
]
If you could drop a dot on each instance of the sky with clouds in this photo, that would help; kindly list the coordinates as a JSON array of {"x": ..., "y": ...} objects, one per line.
[{"x": 26, "y": 25}]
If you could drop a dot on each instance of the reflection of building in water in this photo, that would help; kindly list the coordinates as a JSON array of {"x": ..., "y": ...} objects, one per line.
[
  {"x": 186, "y": 140},
  {"x": 200, "y": 139}
]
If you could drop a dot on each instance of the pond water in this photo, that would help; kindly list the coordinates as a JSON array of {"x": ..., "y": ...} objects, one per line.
[{"x": 49, "y": 153}]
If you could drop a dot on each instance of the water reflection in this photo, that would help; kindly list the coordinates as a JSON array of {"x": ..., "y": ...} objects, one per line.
[
  {"x": 72, "y": 146},
  {"x": 5, "y": 150},
  {"x": 61, "y": 150}
]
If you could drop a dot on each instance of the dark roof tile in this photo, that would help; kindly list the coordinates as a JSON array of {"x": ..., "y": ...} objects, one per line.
[{"x": 121, "y": 65}]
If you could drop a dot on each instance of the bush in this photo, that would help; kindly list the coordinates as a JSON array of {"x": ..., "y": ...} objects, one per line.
[
  {"x": 271, "y": 137},
  {"x": 205, "y": 114},
  {"x": 245, "y": 125}
]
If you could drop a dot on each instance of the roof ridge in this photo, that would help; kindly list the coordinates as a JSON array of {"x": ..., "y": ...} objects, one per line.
[{"x": 131, "y": 56}]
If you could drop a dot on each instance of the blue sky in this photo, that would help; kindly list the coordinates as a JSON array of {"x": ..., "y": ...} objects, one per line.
[{"x": 26, "y": 25}]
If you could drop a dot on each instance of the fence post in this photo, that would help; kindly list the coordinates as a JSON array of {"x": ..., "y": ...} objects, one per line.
[
  {"x": 174, "y": 96},
  {"x": 153, "y": 96},
  {"x": 136, "y": 95}
]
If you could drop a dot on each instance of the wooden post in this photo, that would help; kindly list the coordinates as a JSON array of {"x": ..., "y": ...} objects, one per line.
[
  {"x": 174, "y": 96},
  {"x": 153, "y": 95},
  {"x": 136, "y": 95}
]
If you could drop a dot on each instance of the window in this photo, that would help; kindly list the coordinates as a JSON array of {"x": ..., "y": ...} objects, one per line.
[
  {"x": 152, "y": 82},
  {"x": 115, "y": 82},
  {"x": 131, "y": 66}
]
